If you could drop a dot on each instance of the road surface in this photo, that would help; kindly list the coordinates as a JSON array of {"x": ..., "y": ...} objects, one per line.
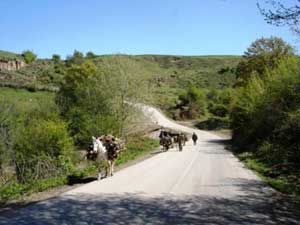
[{"x": 204, "y": 184}]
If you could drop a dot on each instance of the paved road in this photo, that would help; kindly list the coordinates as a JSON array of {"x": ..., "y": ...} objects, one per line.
[{"x": 204, "y": 184}]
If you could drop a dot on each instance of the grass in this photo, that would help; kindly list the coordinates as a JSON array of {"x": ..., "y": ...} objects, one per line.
[
  {"x": 137, "y": 147},
  {"x": 4, "y": 55},
  {"x": 25, "y": 100},
  {"x": 174, "y": 72},
  {"x": 19, "y": 95},
  {"x": 287, "y": 183},
  {"x": 15, "y": 190}
]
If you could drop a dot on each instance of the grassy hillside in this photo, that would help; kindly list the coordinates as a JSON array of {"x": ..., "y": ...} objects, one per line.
[
  {"x": 4, "y": 55},
  {"x": 168, "y": 76}
]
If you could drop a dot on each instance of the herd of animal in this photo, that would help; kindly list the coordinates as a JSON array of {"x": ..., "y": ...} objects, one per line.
[
  {"x": 170, "y": 138},
  {"x": 105, "y": 149}
]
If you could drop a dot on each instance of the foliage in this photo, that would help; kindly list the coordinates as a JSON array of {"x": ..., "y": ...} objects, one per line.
[
  {"x": 266, "y": 115},
  {"x": 44, "y": 148},
  {"x": 56, "y": 58},
  {"x": 263, "y": 54},
  {"x": 281, "y": 14},
  {"x": 93, "y": 101},
  {"x": 90, "y": 55},
  {"x": 29, "y": 56},
  {"x": 220, "y": 102},
  {"x": 169, "y": 72},
  {"x": 214, "y": 123},
  {"x": 76, "y": 58},
  {"x": 272, "y": 45},
  {"x": 194, "y": 102},
  {"x": 283, "y": 177}
]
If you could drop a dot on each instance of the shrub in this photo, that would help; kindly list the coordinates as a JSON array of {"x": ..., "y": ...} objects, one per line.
[
  {"x": 10, "y": 190},
  {"x": 29, "y": 56},
  {"x": 266, "y": 114},
  {"x": 44, "y": 148},
  {"x": 195, "y": 101},
  {"x": 214, "y": 123}
]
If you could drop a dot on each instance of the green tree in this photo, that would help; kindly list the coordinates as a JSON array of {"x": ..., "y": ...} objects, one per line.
[
  {"x": 93, "y": 100},
  {"x": 29, "y": 56},
  {"x": 90, "y": 55},
  {"x": 195, "y": 101},
  {"x": 263, "y": 54},
  {"x": 56, "y": 58},
  {"x": 265, "y": 116},
  {"x": 76, "y": 58}
]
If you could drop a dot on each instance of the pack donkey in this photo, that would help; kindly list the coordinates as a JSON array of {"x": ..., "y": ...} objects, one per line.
[{"x": 104, "y": 152}]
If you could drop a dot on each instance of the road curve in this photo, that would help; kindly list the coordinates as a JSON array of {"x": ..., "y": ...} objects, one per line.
[{"x": 204, "y": 184}]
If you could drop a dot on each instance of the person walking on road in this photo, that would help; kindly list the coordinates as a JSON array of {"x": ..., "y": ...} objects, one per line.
[
  {"x": 195, "y": 138},
  {"x": 180, "y": 141}
]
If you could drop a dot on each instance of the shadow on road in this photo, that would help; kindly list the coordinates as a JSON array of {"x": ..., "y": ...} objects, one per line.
[
  {"x": 253, "y": 207},
  {"x": 220, "y": 141}
]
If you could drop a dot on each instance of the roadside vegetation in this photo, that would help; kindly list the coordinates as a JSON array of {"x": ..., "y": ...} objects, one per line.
[
  {"x": 265, "y": 114},
  {"x": 41, "y": 132}
]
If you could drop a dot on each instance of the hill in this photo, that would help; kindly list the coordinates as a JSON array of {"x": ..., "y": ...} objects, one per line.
[
  {"x": 167, "y": 75},
  {"x": 4, "y": 55}
]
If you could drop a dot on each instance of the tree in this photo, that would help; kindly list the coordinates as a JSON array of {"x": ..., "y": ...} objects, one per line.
[
  {"x": 90, "y": 55},
  {"x": 272, "y": 45},
  {"x": 262, "y": 54},
  {"x": 93, "y": 99},
  {"x": 280, "y": 14},
  {"x": 76, "y": 58},
  {"x": 195, "y": 101},
  {"x": 56, "y": 58},
  {"x": 29, "y": 56}
]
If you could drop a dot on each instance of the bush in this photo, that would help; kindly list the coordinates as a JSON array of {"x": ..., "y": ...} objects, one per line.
[
  {"x": 194, "y": 100},
  {"x": 29, "y": 56},
  {"x": 214, "y": 123},
  {"x": 266, "y": 114},
  {"x": 219, "y": 110},
  {"x": 220, "y": 102},
  {"x": 10, "y": 190},
  {"x": 44, "y": 148}
]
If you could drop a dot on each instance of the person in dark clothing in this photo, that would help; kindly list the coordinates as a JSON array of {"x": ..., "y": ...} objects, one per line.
[
  {"x": 181, "y": 139},
  {"x": 195, "y": 138}
]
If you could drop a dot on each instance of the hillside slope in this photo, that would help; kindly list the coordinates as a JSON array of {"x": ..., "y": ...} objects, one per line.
[{"x": 168, "y": 76}]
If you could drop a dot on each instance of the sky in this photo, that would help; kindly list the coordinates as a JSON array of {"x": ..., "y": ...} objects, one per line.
[{"x": 176, "y": 27}]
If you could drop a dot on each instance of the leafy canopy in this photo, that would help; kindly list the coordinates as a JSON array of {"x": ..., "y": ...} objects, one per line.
[
  {"x": 29, "y": 56},
  {"x": 262, "y": 54}
]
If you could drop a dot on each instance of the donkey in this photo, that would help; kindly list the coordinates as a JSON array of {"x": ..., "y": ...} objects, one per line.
[
  {"x": 107, "y": 150},
  {"x": 100, "y": 158}
]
